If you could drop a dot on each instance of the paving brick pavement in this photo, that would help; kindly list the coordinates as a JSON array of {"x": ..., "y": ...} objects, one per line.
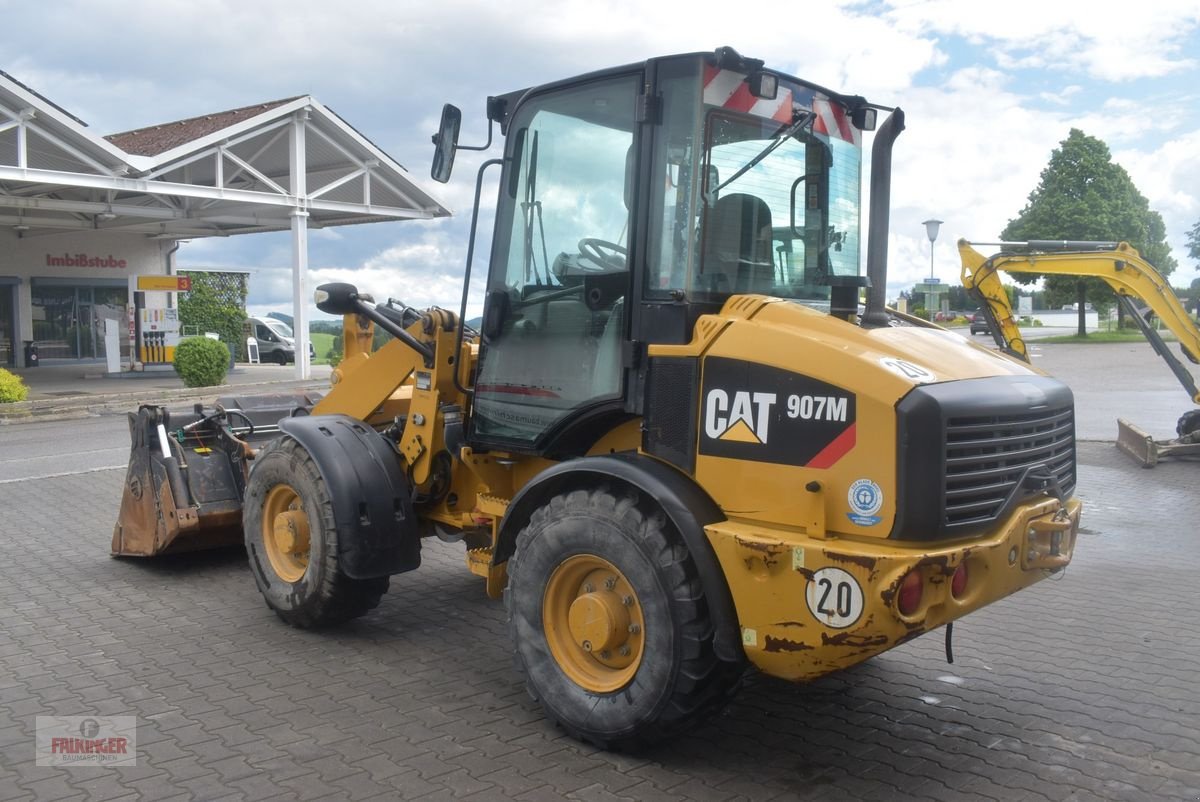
[{"x": 1080, "y": 688}]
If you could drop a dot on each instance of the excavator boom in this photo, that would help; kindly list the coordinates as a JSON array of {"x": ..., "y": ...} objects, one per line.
[{"x": 1130, "y": 276}]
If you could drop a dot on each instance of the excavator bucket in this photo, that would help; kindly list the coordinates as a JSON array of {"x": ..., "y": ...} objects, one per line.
[{"x": 187, "y": 473}]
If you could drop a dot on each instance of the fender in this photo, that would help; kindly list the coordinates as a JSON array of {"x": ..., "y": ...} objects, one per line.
[
  {"x": 687, "y": 507},
  {"x": 372, "y": 501}
]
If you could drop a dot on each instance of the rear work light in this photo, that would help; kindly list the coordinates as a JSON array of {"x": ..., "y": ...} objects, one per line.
[
  {"x": 911, "y": 587},
  {"x": 958, "y": 583}
]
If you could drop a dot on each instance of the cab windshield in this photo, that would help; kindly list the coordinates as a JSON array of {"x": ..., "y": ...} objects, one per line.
[{"x": 762, "y": 196}]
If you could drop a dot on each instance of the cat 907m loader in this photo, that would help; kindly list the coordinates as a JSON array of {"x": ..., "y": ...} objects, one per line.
[{"x": 677, "y": 443}]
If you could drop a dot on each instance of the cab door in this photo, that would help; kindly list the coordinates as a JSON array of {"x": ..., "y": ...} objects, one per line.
[{"x": 556, "y": 307}]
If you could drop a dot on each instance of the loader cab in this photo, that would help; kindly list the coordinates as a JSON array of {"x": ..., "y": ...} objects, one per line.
[{"x": 633, "y": 201}]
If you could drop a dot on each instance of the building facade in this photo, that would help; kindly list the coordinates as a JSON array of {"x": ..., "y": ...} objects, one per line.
[{"x": 56, "y": 291}]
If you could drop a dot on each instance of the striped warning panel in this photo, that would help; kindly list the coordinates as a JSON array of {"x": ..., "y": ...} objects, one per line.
[
  {"x": 833, "y": 121},
  {"x": 728, "y": 89}
]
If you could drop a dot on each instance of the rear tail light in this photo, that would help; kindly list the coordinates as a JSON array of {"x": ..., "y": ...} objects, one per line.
[
  {"x": 909, "y": 598},
  {"x": 958, "y": 583}
]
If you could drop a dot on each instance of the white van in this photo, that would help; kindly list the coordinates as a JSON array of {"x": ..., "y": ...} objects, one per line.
[{"x": 276, "y": 342}]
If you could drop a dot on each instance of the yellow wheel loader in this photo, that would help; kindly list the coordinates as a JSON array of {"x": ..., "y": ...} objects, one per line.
[
  {"x": 1132, "y": 278},
  {"x": 676, "y": 443}
]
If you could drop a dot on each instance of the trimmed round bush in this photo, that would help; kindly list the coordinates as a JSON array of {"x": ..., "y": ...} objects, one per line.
[
  {"x": 11, "y": 387},
  {"x": 201, "y": 362}
]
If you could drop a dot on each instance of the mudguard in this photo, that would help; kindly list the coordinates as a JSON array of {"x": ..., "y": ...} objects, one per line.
[
  {"x": 372, "y": 500},
  {"x": 687, "y": 506}
]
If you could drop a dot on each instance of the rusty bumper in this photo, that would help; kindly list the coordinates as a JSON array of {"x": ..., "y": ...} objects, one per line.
[{"x": 810, "y": 606}]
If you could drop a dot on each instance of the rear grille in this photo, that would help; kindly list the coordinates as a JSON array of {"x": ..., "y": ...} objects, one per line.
[{"x": 989, "y": 460}]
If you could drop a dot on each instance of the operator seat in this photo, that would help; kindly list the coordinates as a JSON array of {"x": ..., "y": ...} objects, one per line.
[{"x": 738, "y": 245}]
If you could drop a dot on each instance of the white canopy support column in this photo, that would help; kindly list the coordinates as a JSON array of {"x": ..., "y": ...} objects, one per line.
[{"x": 300, "y": 293}]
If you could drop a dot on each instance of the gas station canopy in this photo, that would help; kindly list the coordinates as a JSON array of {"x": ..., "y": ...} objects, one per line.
[{"x": 288, "y": 164}]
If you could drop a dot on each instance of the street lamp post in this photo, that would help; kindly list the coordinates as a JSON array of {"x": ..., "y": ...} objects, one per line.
[
  {"x": 931, "y": 228},
  {"x": 931, "y": 297}
]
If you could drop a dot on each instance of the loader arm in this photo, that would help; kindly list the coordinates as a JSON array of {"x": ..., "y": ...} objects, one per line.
[
  {"x": 1119, "y": 265},
  {"x": 414, "y": 372}
]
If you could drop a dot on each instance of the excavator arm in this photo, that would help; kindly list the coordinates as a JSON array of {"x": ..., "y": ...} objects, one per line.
[
  {"x": 1117, "y": 264},
  {"x": 1120, "y": 266}
]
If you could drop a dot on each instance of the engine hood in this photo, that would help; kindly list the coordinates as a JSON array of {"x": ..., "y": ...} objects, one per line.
[
  {"x": 798, "y": 417},
  {"x": 891, "y": 360}
]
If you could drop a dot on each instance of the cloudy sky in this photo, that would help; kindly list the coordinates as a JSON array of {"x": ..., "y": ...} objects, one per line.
[{"x": 989, "y": 90}]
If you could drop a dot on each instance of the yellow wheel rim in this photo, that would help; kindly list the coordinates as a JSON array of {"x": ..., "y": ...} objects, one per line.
[
  {"x": 285, "y": 533},
  {"x": 593, "y": 623}
]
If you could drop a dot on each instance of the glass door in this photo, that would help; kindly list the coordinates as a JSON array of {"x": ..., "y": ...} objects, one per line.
[
  {"x": 108, "y": 303},
  {"x": 85, "y": 324}
]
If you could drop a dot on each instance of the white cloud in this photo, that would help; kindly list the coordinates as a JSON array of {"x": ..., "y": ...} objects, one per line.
[{"x": 1108, "y": 41}]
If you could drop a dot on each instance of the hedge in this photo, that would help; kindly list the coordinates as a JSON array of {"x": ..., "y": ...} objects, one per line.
[
  {"x": 201, "y": 362},
  {"x": 11, "y": 387}
]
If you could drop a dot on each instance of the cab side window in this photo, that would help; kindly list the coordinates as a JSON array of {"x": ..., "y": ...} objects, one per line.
[{"x": 564, "y": 273}]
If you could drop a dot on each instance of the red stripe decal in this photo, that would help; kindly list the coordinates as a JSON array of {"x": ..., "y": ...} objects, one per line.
[
  {"x": 837, "y": 449},
  {"x": 515, "y": 389},
  {"x": 843, "y": 124},
  {"x": 741, "y": 99},
  {"x": 710, "y": 72},
  {"x": 784, "y": 113}
]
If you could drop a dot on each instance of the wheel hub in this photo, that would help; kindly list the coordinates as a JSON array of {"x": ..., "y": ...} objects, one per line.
[
  {"x": 285, "y": 533},
  {"x": 291, "y": 531},
  {"x": 593, "y": 623},
  {"x": 598, "y": 621}
]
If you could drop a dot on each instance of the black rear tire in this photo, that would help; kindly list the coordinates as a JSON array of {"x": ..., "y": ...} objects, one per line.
[
  {"x": 679, "y": 680},
  {"x": 323, "y": 596}
]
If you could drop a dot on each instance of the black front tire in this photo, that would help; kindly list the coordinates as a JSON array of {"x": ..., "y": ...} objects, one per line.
[
  {"x": 679, "y": 680},
  {"x": 323, "y": 596}
]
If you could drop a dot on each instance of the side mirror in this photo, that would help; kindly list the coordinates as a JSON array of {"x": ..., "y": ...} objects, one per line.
[
  {"x": 863, "y": 118},
  {"x": 337, "y": 299},
  {"x": 445, "y": 142}
]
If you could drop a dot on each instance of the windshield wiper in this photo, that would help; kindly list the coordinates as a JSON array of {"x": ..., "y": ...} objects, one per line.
[{"x": 782, "y": 135}]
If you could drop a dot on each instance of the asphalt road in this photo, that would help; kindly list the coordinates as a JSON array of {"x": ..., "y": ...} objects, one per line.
[{"x": 56, "y": 448}]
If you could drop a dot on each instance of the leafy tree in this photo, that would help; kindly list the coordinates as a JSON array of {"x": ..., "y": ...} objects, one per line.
[
  {"x": 1083, "y": 195},
  {"x": 1194, "y": 244}
]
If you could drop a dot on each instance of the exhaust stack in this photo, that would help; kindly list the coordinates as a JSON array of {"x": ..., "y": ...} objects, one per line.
[{"x": 877, "y": 237}]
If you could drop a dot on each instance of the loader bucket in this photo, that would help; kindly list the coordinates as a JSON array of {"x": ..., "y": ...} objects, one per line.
[{"x": 187, "y": 474}]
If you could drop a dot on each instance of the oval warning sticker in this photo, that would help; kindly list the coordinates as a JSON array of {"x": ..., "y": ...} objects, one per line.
[{"x": 834, "y": 598}]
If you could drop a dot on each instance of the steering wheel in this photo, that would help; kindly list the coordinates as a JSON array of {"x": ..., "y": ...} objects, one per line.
[{"x": 605, "y": 254}]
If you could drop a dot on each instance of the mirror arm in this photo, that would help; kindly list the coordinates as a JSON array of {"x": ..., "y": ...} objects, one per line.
[{"x": 484, "y": 146}]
